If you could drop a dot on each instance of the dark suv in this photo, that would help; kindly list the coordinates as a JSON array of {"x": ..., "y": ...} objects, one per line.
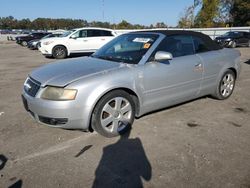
[
  {"x": 23, "y": 40},
  {"x": 233, "y": 39}
]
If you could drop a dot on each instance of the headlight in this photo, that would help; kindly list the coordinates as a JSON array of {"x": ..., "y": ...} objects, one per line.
[
  {"x": 58, "y": 94},
  {"x": 48, "y": 42},
  {"x": 229, "y": 39}
]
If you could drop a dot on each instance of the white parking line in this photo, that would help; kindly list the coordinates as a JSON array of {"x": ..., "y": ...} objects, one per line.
[{"x": 55, "y": 148}]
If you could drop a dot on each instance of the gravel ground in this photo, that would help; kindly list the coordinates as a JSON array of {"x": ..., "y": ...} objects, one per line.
[{"x": 203, "y": 143}]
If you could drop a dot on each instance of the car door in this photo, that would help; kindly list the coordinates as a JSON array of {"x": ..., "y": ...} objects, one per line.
[
  {"x": 174, "y": 81},
  {"x": 212, "y": 63},
  {"x": 97, "y": 38},
  {"x": 78, "y": 41},
  {"x": 245, "y": 37},
  {"x": 240, "y": 39}
]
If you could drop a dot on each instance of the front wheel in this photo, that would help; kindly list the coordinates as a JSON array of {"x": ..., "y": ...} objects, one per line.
[
  {"x": 59, "y": 52},
  {"x": 233, "y": 45},
  {"x": 24, "y": 43},
  {"x": 226, "y": 85},
  {"x": 113, "y": 114}
]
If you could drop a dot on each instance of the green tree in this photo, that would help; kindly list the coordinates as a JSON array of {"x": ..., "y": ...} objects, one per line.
[
  {"x": 24, "y": 24},
  {"x": 8, "y": 22},
  {"x": 207, "y": 14},
  {"x": 161, "y": 25},
  {"x": 124, "y": 25},
  {"x": 186, "y": 20},
  {"x": 240, "y": 13}
]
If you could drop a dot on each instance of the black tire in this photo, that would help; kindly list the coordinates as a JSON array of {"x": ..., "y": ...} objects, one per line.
[
  {"x": 24, "y": 43},
  {"x": 59, "y": 52},
  {"x": 226, "y": 85},
  {"x": 119, "y": 119}
]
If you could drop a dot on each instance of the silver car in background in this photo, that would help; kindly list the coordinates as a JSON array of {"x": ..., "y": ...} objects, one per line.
[{"x": 132, "y": 75}]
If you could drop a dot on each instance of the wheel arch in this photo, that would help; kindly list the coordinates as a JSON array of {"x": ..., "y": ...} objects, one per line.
[
  {"x": 62, "y": 46},
  {"x": 234, "y": 71},
  {"x": 132, "y": 93}
]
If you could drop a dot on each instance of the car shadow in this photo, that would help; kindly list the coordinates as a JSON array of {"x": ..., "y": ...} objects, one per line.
[
  {"x": 247, "y": 62},
  {"x": 123, "y": 164},
  {"x": 79, "y": 55},
  {"x": 174, "y": 106},
  {"x": 17, "y": 184},
  {"x": 3, "y": 161}
]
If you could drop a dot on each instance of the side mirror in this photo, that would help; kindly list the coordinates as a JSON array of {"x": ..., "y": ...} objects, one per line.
[
  {"x": 163, "y": 56},
  {"x": 73, "y": 37}
]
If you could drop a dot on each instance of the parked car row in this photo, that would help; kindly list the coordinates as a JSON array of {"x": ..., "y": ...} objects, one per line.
[
  {"x": 80, "y": 40},
  {"x": 23, "y": 40},
  {"x": 59, "y": 46},
  {"x": 233, "y": 39},
  {"x": 88, "y": 40},
  {"x": 34, "y": 44}
]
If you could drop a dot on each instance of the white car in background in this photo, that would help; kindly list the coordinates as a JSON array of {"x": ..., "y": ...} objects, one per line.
[{"x": 82, "y": 40}]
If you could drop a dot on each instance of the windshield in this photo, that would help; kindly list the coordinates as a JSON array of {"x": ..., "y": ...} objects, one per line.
[
  {"x": 67, "y": 33},
  {"x": 47, "y": 36},
  {"x": 51, "y": 35},
  {"x": 231, "y": 34},
  {"x": 127, "y": 48}
]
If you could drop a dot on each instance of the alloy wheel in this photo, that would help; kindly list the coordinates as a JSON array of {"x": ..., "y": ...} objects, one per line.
[
  {"x": 116, "y": 115},
  {"x": 227, "y": 85}
]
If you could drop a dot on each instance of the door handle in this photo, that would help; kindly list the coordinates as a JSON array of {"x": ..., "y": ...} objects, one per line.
[
  {"x": 85, "y": 40},
  {"x": 198, "y": 65}
]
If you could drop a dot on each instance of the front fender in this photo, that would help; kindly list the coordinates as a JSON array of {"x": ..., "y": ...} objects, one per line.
[{"x": 94, "y": 89}]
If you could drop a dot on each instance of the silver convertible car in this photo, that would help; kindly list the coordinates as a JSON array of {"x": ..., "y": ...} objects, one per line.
[{"x": 132, "y": 75}]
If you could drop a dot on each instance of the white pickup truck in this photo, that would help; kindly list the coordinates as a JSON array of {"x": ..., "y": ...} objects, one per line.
[{"x": 76, "y": 41}]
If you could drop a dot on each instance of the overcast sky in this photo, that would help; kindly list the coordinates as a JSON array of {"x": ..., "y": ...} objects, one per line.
[{"x": 134, "y": 11}]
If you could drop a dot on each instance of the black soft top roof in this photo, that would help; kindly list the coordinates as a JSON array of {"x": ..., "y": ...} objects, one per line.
[{"x": 207, "y": 40}]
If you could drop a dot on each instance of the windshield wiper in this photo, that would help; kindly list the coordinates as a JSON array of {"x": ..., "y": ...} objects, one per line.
[{"x": 109, "y": 58}]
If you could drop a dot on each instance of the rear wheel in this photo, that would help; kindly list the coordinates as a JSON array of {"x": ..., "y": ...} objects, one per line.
[
  {"x": 59, "y": 52},
  {"x": 226, "y": 85},
  {"x": 113, "y": 114}
]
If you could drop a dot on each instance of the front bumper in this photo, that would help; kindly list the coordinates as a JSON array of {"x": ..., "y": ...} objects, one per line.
[
  {"x": 31, "y": 46},
  {"x": 45, "y": 51},
  {"x": 224, "y": 43},
  {"x": 62, "y": 114}
]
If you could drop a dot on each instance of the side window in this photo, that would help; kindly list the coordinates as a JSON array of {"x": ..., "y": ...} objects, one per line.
[
  {"x": 98, "y": 33},
  {"x": 106, "y": 33},
  {"x": 240, "y": 34},
  {"x": 80, "y": 34},
  {"x": 247, "y": 35},
  {"x": 199, "y": 45},
  {"x": 177, "y": 45},
  {"x": 94, "y": 33}
]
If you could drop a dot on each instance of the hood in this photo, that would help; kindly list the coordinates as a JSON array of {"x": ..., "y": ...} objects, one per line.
[
  {"x": 53, "y": 38},
  {"x": 65, "y": 72}
]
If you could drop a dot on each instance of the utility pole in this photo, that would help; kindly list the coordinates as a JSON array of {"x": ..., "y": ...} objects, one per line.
[{"x": 103, "y": 10}]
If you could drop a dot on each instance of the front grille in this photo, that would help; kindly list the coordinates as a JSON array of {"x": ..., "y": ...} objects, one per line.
[{"x": 31, "y": 87}]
